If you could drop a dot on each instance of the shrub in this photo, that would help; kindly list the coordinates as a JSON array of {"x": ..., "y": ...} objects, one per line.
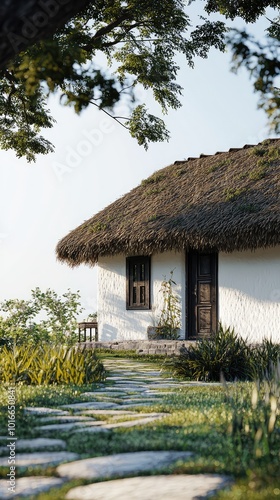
[
  {"x": 23, "y": 325},
  {"x": 224, "y": 352},
  {"x": 266, "y": 355},
  {"x": 254, "y": 420},
  {"x": 49, "y": 365}
]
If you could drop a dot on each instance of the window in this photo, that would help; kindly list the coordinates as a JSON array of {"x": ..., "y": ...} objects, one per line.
[{"x": 138, "y": 283}]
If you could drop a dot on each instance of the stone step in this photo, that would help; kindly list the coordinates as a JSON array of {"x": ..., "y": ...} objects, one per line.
[
  {"x": 44, "y": 411},
  {"x": 90, "y": 405},
  {"x": 44, "y": 458},
  {"x": 173, "y": 487},
  {"x": 63, "y": 420},
  {"x": 28, "y": 486},
  {"x": 120, "y": 464},
  {"x": 36, "y": 444},
  {"x": 69, "y": 426}
]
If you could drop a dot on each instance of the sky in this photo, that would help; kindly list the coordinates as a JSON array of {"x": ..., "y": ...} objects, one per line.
[{"x": 96, "y": 161}]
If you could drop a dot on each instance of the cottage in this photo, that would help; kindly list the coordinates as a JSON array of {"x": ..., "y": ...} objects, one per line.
[{"x": 215, "y": 221}]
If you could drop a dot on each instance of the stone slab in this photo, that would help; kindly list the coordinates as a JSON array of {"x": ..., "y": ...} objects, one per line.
[
  {"x": 36, "y": 444},
  {"x": 105, "y": 390},
  {"x": 132, "y": 423},
  {"x": 105, "y": 399},
  {"x": 110, "y": 412},
  {"x": 131, "y": 388},
  {"x": 163, "y": 385},
  {"x": 121, "y": 378},
  {"x": 137, "y": 399},
  {"x": 126, "y": 424},
  {"x": 44, "y": 411},
  {"x": 41, "y": 458},
  {"x": 131, "y": 381},
  {"x": 96, "y": 405},
  {"x": 69, "y": 426},
  {"x": 120, "y": 464},
  {"x": 27, "y": 486},
  {"x": 179, "y": 487},
  {"x": 68, "y": 418}
]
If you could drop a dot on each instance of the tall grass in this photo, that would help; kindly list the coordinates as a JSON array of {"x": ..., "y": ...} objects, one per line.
[
  {"x": 253, "y": 423},
  {"x": 265, "y": 357},
  {"x": 49, "y": 364}
]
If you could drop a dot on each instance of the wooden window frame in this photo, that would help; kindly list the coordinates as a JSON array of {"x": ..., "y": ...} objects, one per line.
[{"x": 135, "y": 287}]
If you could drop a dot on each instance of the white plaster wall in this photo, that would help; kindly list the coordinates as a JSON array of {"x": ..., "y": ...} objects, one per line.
[
  {"x": 249, "y": 293},
  {"x": 114, "y": 321}
]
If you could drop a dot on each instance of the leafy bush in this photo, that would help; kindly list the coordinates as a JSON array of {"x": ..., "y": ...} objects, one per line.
[
  {"x": 49, "y": 365},
  {"x": 224, "y": 352},
  {"x": 23, "y": 325}
]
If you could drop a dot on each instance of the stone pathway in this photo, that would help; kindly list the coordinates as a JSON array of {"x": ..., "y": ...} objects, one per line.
[
  {"x": 134, "y": 385},
  {"x": 183, "y": 487}
]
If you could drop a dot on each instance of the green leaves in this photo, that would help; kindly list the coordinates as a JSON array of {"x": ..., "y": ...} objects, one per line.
[
  {"x": 22, "y": 117},
  {"x": 49, "y": 364},
  {"x": 61, "y": 312},
  {"x": 223, "y": 353},
  {"x": 140, "y": 42},
  {"x": 22, "y": 323},
  {"x": 170, "y": 318},
  {"x": 254, "y": 422},
  {"x": 139, "y": 39},
  {"x": 261, "y": 59},
  {"x": 249, "y": 10},
  {"x": 146, "y": 127}
]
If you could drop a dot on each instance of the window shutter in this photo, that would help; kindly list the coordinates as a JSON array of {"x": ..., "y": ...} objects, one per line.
[{"x": 138, "y": 282}]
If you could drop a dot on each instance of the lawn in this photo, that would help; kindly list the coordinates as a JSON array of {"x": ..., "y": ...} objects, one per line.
[{"x": 230, "y": 430}]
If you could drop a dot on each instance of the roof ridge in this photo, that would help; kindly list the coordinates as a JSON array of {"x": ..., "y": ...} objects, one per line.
[{"x": 231, "y": 150}]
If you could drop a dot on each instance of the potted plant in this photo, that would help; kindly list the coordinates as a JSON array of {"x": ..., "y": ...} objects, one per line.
[{"x": 169, "y": 323}]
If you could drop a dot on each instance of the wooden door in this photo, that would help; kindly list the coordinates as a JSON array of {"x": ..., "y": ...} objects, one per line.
[{"x": 202, "y": 294}]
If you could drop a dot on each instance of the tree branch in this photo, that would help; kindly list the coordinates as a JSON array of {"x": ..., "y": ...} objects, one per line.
[
  {"x": 110, "y": 27},
  {"x": 23, "y": 23},
  {"x": 273, "y": 22},
  {"x": 116, "y": 118},
  {"x": 106, "y": 29}
]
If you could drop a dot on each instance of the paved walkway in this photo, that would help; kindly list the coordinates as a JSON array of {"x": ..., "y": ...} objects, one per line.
[{"x": 134, "y": 384}]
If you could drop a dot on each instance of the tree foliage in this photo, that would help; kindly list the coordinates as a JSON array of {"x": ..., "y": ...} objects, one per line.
[
  {"x": 46, "y": 317},
  {"x": 140, "y": 41},
  {"x": 262, "y": 61}
]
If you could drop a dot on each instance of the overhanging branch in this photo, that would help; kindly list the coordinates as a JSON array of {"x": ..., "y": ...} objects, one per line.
[{"x": 25, "y": 22}]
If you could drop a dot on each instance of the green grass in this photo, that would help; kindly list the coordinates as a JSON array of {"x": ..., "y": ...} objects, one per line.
[
  {"x": 199, "y": 420},
  {"x": 129, "y": 354}
]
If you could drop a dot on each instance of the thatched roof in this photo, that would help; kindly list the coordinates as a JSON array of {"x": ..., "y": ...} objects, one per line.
[{"x": 224, "y": 202}]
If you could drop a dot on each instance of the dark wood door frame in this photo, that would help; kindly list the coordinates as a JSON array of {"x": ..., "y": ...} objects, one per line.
[{"x": 201, "y": 294}]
